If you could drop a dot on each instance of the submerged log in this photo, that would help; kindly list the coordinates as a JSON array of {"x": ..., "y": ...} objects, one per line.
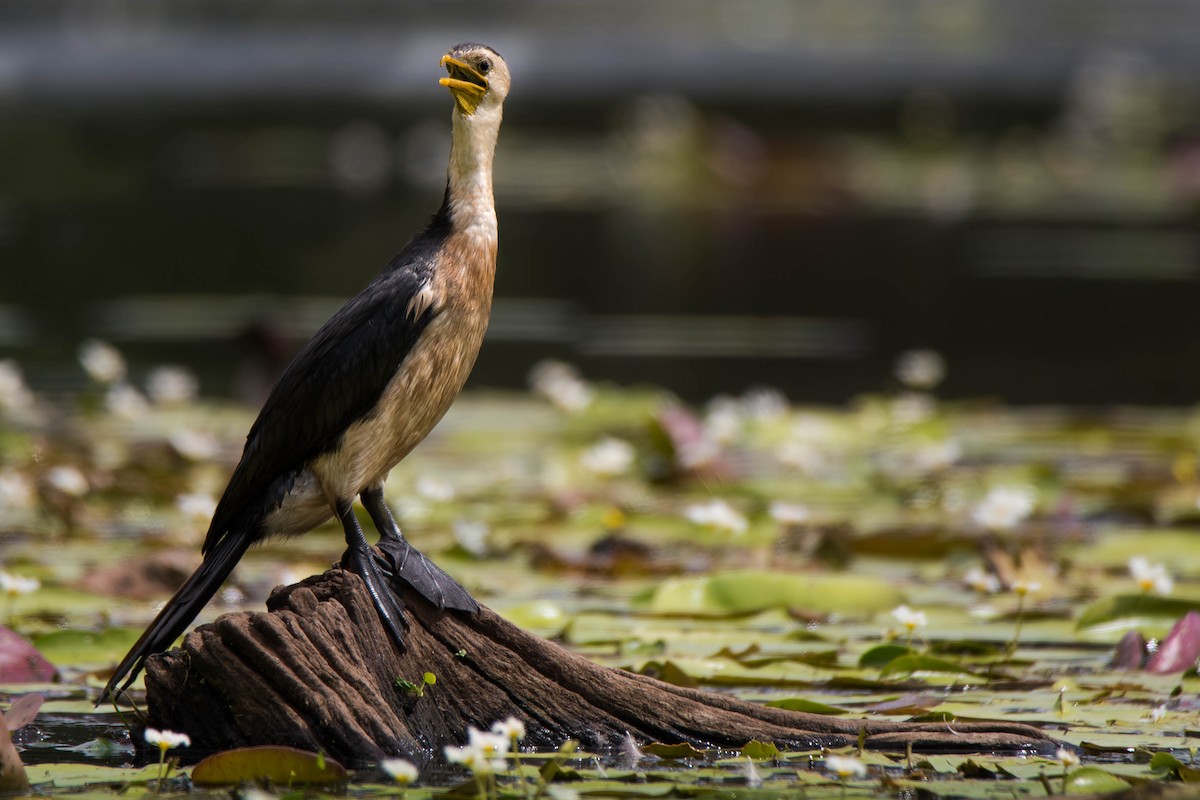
[{"x": 318, "y": 671}]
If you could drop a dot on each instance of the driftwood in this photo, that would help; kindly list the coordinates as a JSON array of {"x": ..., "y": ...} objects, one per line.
[{"x": 317, "y": 671}]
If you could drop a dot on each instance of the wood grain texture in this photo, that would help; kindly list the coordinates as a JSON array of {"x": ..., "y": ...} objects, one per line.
[{"x": 317, "y": 671}]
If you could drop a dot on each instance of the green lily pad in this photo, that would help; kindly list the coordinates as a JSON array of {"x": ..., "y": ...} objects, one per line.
[
  {"x": 1134, "y": 606},
  {"x": 1093, "y": 780},
  {"x": 807, "y": 706},
  {"x": 282, "y": 766},
  {"x": 80, "y": 647},
  {"x": 747, "y": 591},
  {"x": 760, "y": 751},
  {"x": 909, "y": 664},
  {"x": 882, "y": 655},
  {"x": 673, "y": 751}
]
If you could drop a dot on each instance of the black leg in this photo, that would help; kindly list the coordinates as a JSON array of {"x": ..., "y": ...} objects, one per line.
[
  {"x": 407, "y": 563},
  {"x": 362, "y": 561}
]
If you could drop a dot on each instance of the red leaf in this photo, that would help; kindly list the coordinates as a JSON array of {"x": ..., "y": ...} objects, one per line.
[
  {"x": 1130, "y": 652},
  {"x": 20, "y": 662},
  {"x": 1181, "y": 647}
]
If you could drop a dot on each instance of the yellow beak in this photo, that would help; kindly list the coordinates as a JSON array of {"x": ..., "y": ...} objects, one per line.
[{"x": 465, "y": 82}]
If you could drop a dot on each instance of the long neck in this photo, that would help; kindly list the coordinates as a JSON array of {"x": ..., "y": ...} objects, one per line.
[{"x": 469, "y": 176}]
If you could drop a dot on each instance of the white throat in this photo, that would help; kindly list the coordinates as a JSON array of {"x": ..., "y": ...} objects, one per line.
[{"x": 472, "y": 148}]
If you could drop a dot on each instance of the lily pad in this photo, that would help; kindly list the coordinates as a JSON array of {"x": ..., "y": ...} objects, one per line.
[
  {"x": 282, "y": 766},
  {"x": 1134, "y": 607},
  {"x": 1094, "y": 780},
  {"x": 747, "y": 591}
]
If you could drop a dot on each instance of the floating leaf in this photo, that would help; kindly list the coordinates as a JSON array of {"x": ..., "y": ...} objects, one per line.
[
  {"x": 21, "y": 662},
  {"x": 747, "y": 591},
  {"x": 1179, "y": 649},
  {"x": 79, "y": 647},
  {"x": 282, "y": 766},
  {"x": 673, "y": 751},
  {"x": 1093, "y": 780},
  {"x": 911, "y": 703},
  {"x": 909, "y": 664},
  {"x": 1130, "y": 652},
  {"x": 807, "y": 706},
  {"x": 882, "y": 655},
  {"x": 23, "y": 710},
  {"x": 760, "y": 751},
  {"x": 1134, "y": 606}
]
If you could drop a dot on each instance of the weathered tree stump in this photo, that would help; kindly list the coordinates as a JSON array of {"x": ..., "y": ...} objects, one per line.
[{"x": 318, "y": 671}]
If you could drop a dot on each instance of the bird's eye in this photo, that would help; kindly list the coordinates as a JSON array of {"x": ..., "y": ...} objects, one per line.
[{"x": 485, "y": 66}]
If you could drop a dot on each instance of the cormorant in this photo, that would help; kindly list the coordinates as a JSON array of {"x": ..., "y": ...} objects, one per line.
[{"x": 366, "y": 389}]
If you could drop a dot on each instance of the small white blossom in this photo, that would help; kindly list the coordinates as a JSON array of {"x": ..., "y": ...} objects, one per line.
[
  {"x": 764, "y": 404},
  {"x": 909, "y": 618},
  {"x": 912, "y": 408},
  {"x": 609, "y": 457},
  {"x": 920, "y": 369},
  {"x": 560, "y": 384},
  {"x": 125, "y": 401},
  {"x": 16, "y": 490},
  {"x": 172, "y": 386},
  {"x": 1067, "y": 757},
  {"x": 14, "y": 393},
  {"x": 1156, "y": 716},
  {"x": 102, "y": 362},
  {"x": 697, "y": 453},
  {"x": 194, "y": 445},
  {"x": 401, "y": 771},
  {"x": 718, "y": 515},
  {"x": 632, "y": 755},
  {"x": 803, "y": 456},
  {"x": 1023, "y": 587},
  {"x": 68, "y": 480},
  {"x": 472, "y": 536},
  {"x": 14, "y": 585},
  {"x": 1150, "y": 577},
  {"x": 845, "y": 767},
  {"x": 511, "y": 728},
  {"x": 483, "y": 754},
  {"x": 167, "y": 740},
  {"x": 436, "y": 490},
  {"x": 196, "y": 505},
  {"x": 789, "y": 513},
  {"x": 1004, "y": 507},
  {"x": 723, "y": 420},
  {"x": 981, "y": 581}
]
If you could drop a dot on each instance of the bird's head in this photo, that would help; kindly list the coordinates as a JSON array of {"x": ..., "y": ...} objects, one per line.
[{"x": 478, "y": 77}]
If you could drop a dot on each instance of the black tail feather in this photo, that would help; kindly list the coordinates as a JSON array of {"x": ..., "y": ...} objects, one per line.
[{"x": 179, "y": 611}]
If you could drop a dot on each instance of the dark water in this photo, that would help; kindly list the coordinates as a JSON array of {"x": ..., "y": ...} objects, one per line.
[{"x": 207, "y": 191}]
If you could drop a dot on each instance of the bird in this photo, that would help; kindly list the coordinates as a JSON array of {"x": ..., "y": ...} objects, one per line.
[{"x": 366, "y": 389}]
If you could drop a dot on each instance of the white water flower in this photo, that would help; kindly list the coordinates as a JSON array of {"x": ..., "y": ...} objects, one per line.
[
  {"x": 15, "y": 585},
  {"x": 194, "y": 445},
  {"x": 16, "y": 490},
  {"x": 723, "y": 420},
  {"x": 609, "y": 457},
  {"x": 909, "y": 618},
  {"x": 196, "y": 505},
  {"x": 436, "y": 490},
  {"x": 920, "y": 369},
  {"x": 789, "y": 513},
  {"x": 1004, "y": 507},
  {"x": 172, "y": 386},
  {"x": 1023, "y": 587},
  {"x": 561, "y": 384},
  {"x": 14, "y": 393},
  {"x": 1151, "y": 577},
  {"x": 483, "y": 754},
  {"x": 125, "y": 401},
  {"x": 401, "y": 771},
  {"x": 511, "y": 728},
  {"x": 167, "y": 740},
  {"x": 68, "y": 480},
  {"x": 764, "y": 404},
  {"x": 102, "y": 362},
  {"x": 981, "y": 581},
  {"x": 718, "y": 515},
  {"x": 1067, "y": 757},
  {"x": 845, "y": 767},
  {"x": 471, "y": 535}
]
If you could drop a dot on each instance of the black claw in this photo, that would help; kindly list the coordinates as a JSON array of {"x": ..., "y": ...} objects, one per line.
[
  {"x": 400, "y": 561},
  {"x": 403, "y": 562},
  {"x": 362, "y": 560}
]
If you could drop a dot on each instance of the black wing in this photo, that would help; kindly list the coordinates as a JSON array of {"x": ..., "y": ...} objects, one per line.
[{"x": 336, "y": 379}]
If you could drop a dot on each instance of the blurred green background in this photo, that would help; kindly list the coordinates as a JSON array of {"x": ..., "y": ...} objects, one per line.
[{"x": 707, "y": 195}]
